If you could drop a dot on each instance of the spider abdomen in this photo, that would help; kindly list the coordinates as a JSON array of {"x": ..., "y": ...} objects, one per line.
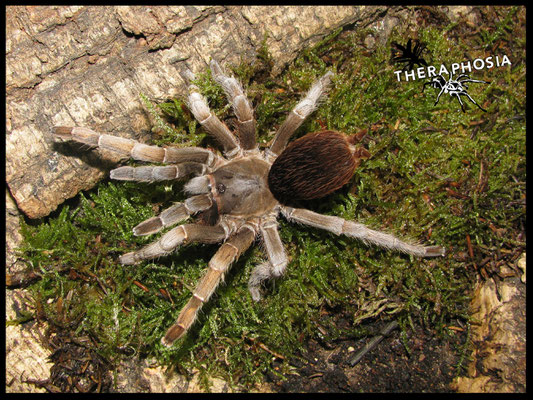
[{"x": 312, "y": 166}]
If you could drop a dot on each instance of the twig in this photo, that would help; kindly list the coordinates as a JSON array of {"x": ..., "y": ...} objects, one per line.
[
  {"x": 469, "y": 246},
  {"x": 373, "y": 342},
  {"x": 265, "y": 348},
  {"x": 141, "y": 286}
]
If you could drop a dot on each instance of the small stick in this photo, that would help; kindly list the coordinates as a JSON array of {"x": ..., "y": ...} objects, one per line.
[
  {"x": 469, "y": 246},
  {"x": 102, "y": 286},
  {"x": 265, "y": 348},
  {"x": 373, "y": 342},
  {"x": 141, "y": 286}
]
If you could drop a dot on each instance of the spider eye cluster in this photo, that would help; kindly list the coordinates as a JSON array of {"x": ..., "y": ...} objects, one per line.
[{"x": 221, "y": 188}]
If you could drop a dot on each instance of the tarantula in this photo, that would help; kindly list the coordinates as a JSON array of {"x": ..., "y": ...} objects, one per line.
[
  {"x": 239, "y": 195},
  {"x": 401, "y": 54},
  {"x": 453, "y": 87}
]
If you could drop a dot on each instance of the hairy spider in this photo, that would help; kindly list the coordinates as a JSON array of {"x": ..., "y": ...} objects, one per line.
[
  {"x": 453, "y": 87},
  {"x": 240, "y": 194},
  {"x": 410, "y": 57}
]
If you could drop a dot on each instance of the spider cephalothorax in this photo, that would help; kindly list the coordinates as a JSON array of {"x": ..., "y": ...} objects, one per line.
[
  {"x": 409, "y": 56},
  {"x": 242, "y": 190},
  {"x": 454, "y": 87}
]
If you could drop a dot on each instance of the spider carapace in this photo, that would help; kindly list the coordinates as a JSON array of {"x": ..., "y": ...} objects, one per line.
[{"x": 244, "y": 189}]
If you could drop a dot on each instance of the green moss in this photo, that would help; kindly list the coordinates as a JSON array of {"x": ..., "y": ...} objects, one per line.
[
  {"x": 180, "y": 127},
  {"x": 435, "y": 176}
]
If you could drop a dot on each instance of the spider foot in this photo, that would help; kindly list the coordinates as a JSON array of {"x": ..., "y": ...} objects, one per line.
[
  {"x": 435, "y": 251},
  {"x": 256, "y": 293}
]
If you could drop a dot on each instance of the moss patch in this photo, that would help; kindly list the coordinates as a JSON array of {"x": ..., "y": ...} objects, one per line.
[{"x": 436, "y": 175}]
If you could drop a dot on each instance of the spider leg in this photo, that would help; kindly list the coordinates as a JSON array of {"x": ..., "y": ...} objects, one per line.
[
  {"x": 438, "y": 97},
  {"x": 399, "y": 47},
  {"x": 261, "y": 272},
  {"x": 421, "y": 61},
  {"x": 174, "y": 238},
  {"x": 202, "y": 113},
  {"x": 416, "y": 47},
  {"x": 460, "y": 101},
  {"x": 474, "y": 80},
  {"x": 409, "y": 66},
  {"x": 341, "y": 226},
  {"x": 241, "y": 106},
  {"x": 157, "y": 173},
  {"x": 419, "y": 49},
  {"x": 408, "y": 46},
  {"x": 132, "y": 148},
  {"x": 433, "y": 84},
  {"x": 473, "y": 101},
  {"x": 174, "y": 214},
  {"x": 407, "y": 60},
  {"x": 468, "y": 79},
  {"x": 402, "y": 59},
  {"x": 299, "y": 113},
  {"x": 277, "y": 259},
  {"x": 228, "y": 253},
  {"x": 274, "y": 247},
  {"x": 471, "y": 80}
]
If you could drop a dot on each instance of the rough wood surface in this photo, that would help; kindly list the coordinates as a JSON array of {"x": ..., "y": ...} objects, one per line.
[
  {"x": 498, "y": 362},
  {"x": 87, "y": 65}
]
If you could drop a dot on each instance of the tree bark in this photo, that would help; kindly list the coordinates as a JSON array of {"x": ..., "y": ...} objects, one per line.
[{"x": 87, "y": 65}]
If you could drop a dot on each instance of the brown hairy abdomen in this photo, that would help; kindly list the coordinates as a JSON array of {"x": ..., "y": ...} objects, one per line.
[{"x": 311, "y": 167}]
